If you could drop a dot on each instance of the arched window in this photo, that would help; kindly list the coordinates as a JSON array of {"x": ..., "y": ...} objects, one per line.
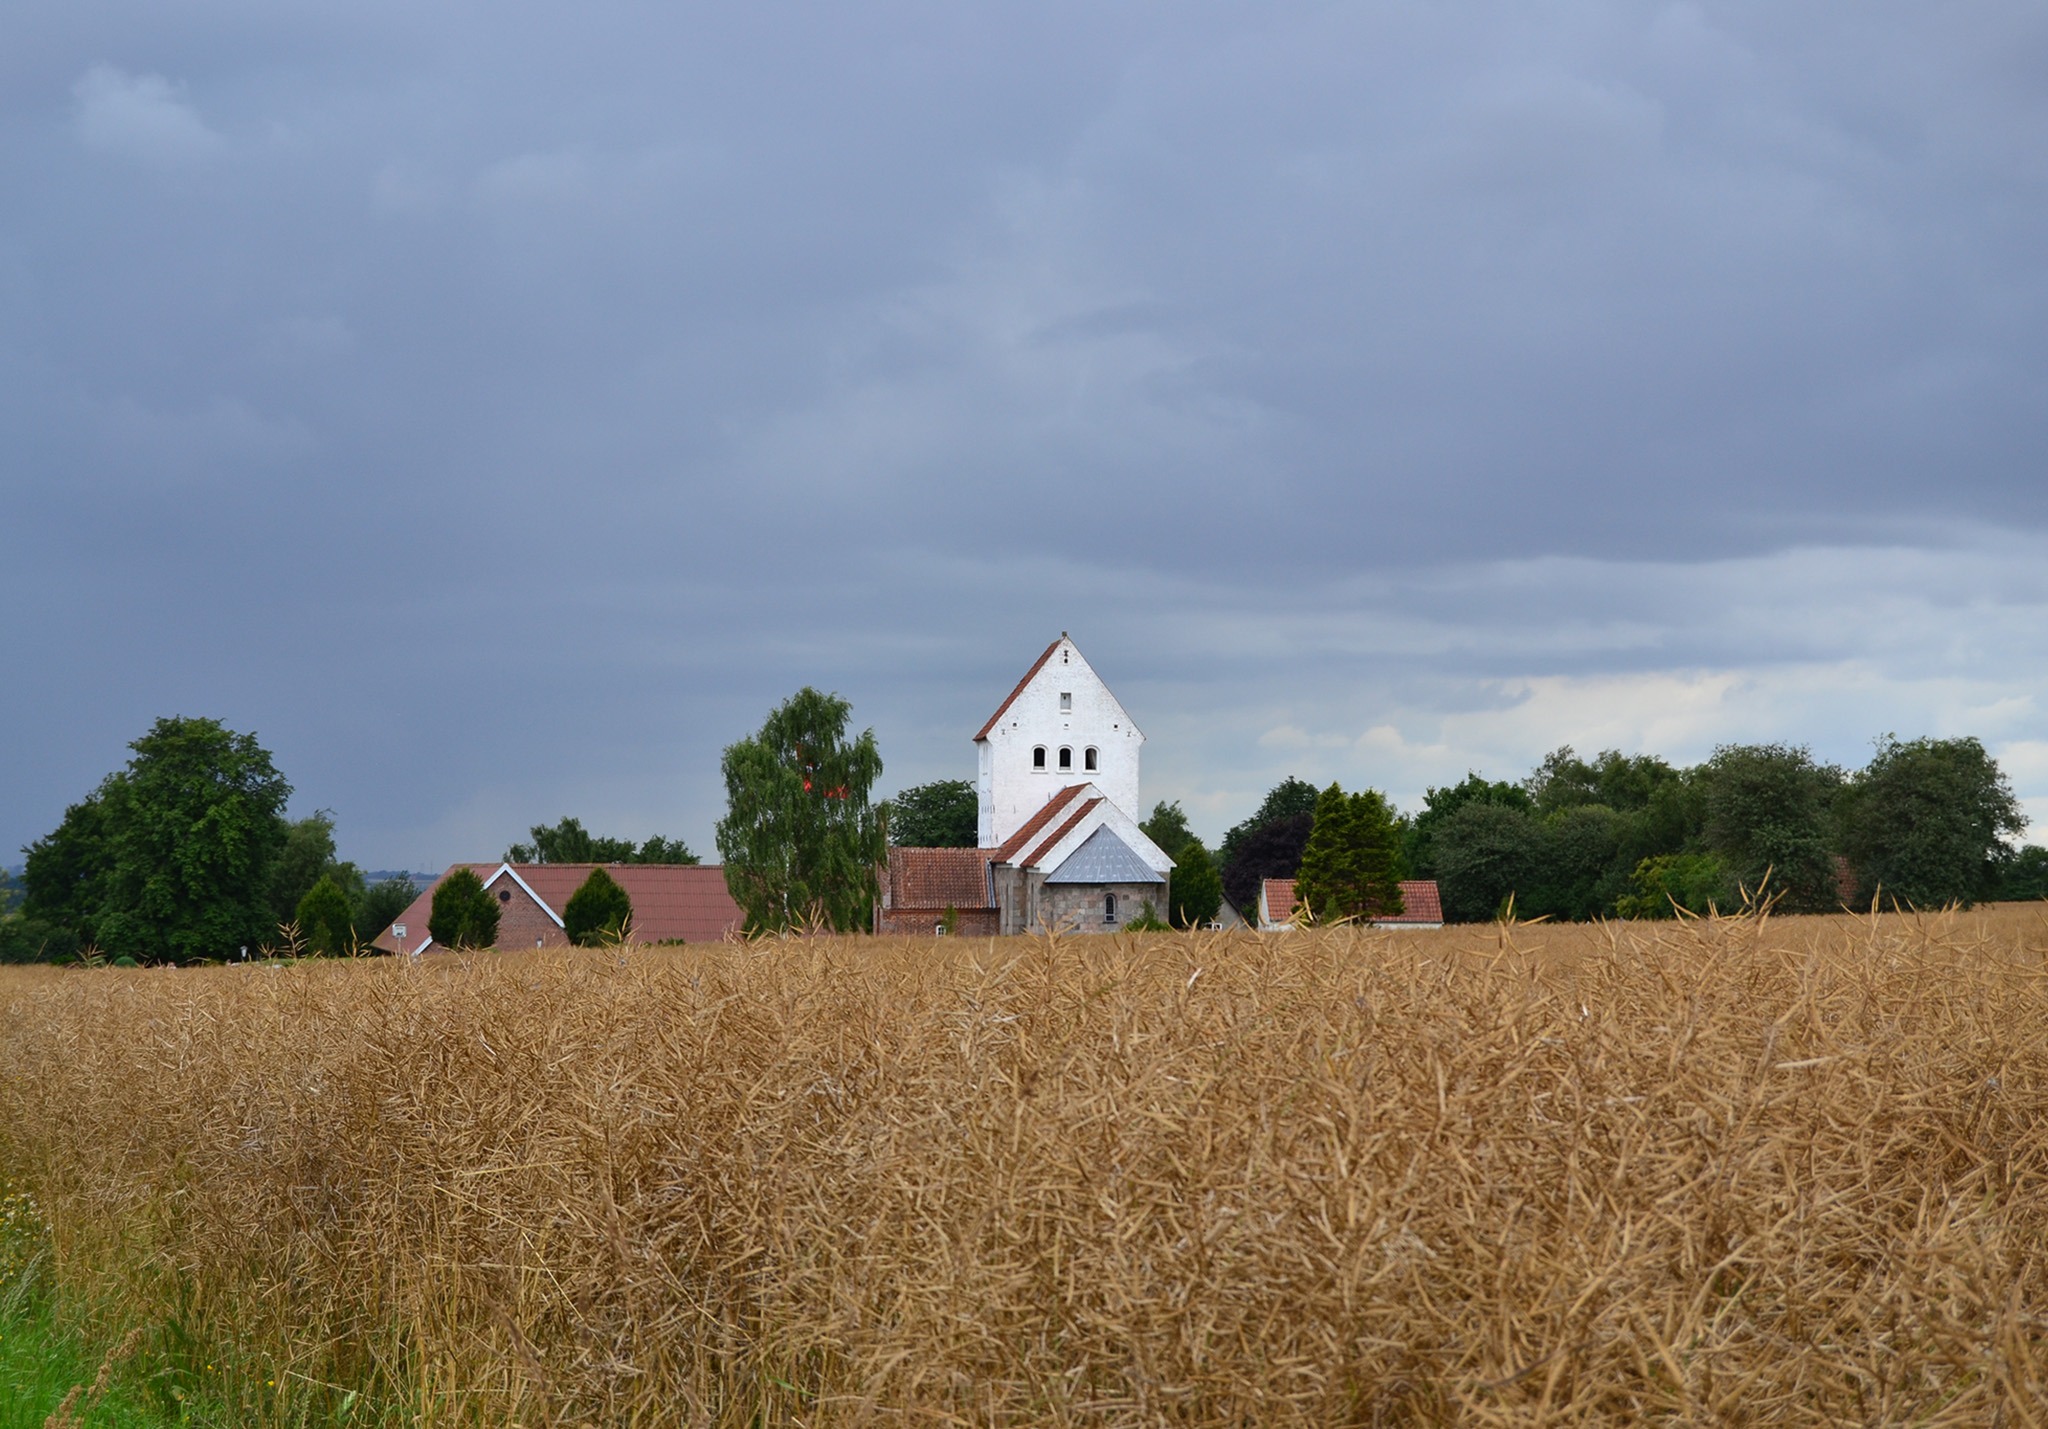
[
  {"x": 1038, "y": 757},
  {"x": 1088, "y": 759},
  {"x": 1066, "y": 757},
  {"x": 1109, "y": 907}
]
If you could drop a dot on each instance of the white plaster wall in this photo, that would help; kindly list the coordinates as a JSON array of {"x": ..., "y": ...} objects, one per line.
[{"x": 1011, "y": 790}]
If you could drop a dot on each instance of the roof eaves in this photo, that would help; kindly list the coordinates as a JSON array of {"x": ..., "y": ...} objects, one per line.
[
  {"x": 1029, "y": 675},
  {"x": 1052, "y": 843},
  {"x": 1029, "y": 829}
]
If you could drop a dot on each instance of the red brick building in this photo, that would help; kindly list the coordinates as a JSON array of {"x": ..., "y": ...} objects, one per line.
[{"x": 671, "y": 903}]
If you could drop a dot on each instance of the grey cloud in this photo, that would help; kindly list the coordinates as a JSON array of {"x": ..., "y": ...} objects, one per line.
[{"x": 579, "y": 383}]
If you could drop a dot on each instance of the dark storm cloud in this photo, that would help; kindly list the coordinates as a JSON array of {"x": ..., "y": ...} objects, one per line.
[{"x": 499, "y": 407}]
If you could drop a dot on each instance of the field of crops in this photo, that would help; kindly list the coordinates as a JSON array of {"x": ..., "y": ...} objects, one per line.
[{"x": 1748, "y": 1170}]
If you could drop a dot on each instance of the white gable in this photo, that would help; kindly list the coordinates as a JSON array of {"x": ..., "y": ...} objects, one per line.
[
  {"x": 1104, "y": 815},
  {"x": 1059, "y": 726}
]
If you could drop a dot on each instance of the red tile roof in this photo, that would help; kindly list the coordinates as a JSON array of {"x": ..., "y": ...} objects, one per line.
[
  {"x": 670, "y": 901},
  {"x": 1277, "y": 902},
  {"x": 936, "y": 878},
  {"x": 1031, "y": 860},
  {"x": 1420, "y": 901},
  {"x": 1011, "y": 698},
  {"x": 1037, "y": 821}
]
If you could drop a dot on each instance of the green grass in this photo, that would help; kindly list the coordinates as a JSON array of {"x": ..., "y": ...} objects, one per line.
[{"x": 149, "y": 1377}]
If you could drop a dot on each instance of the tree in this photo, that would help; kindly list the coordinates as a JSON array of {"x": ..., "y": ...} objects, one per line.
[
  {"x": 1769, "y": 808},
  {"x": 381, "y": 904},
  {"x": 2023, "y": 874},
  {"x": 64, "y": 882},
  {"x": 170, "y": 859},
  {"x": 10, "y": 891},
  {"x": 569, "y": 842},
  {"x": 1484, "y": 853},
  {"x": 326, "y": 918},
  {"x": 464, "y": 915},
  {"x": 1697, "y": 882},
  {"x": 1271, "y": 850},
  {"x": 1618, "y": 781},
  {"x": 800, "y": 841},
  {"x": 1168, "y": 827},
  {"x": 1576, "y": 874},
  {"x": 306, "y": 857},
  {"x": 943, "y": 814},
  {"x": 599, "y": 912},
  {"x": 1440, "y": 804},
  {"x": 1923, "y": 823},
  {"x": 1197, "y": 887},
  {"x": 1287, "y": 799},
  {"x": 1351, "y": 867}
]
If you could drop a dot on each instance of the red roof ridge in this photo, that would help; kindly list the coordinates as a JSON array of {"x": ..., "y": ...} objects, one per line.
[
  {"x": 1046, "y": 814},
  {"x": 1029, "y": 675},
  {"x": 1068, "y": 827}
]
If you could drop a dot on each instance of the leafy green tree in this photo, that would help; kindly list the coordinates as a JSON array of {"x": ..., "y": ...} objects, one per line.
[
  {"x": 1271, "y": 850},
  {"x": 64, "y": 882},
  {"x": 943, "y": 814},
  {"x": 1440, "y": 804},
  {"x": 1576, "y": 876},
  {"x": 599, "y": 912},
  {"x": 326, "y": 918},
  {"x": 1167, "y": 826},
  {"x": 464, "y": 915},
  {"x": 1351, "y": 867},
  {"x": 1923, "y": 823},
  {"x": 2023, "y": 874},
  {"x": 800, "y": 840},
  {"x": 1288, "y": 799},
  {"x": 1484, "y": 853},
  {"x": 1197, "y": 885},
  {"x": 1621, "y": 782},
  {"x": 171, "y": 858},
  {"x": 10, "y": 891},
  {"x": 381, "y": 904},
  {"x": 1769, "y": 807},
  {"x": 569, "y": 842},
  {"x": 306, "y": 857},
  {"x": 1697, "y": 882}
]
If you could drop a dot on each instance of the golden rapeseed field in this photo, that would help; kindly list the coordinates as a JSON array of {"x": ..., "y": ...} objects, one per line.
[{"x": 1748, "y": 1170}]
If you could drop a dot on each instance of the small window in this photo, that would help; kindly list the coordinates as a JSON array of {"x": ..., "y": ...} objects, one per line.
[
  {"x": 1109, "y": 907},
  {"x": 1066, "y": 701},
  {"x": 1066, "y": 757},
  {"x": 1038, "y": 757},
  {"x": 1088, "y": 759},
  {"x": 504, "y": 895}
]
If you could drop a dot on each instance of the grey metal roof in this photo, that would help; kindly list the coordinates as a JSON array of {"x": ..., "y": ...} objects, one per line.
[{"x": 1104, "y": 858}]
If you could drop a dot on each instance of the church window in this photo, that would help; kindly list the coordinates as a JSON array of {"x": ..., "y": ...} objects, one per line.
[
  {"x": 1066, "y": 757},
  {"x": 1109, "y": 907},
  {"x": 1088, "y": 759},
  {"x": 1038, "y": 757},
  {"x": 1066, "y": 701}
]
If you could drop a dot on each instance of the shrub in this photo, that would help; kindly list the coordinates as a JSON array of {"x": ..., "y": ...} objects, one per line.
[
  {"x": 464, "y": 913},
  {"x": 598, "y": 912},
  {"x": 325, "y": 920}
]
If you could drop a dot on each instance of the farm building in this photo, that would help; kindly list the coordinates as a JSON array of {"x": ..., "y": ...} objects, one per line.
[
  {"x": 1421, "y": 906},
  {"x": 1058, "y": 773},
  {"x": 671, "y": 903}
]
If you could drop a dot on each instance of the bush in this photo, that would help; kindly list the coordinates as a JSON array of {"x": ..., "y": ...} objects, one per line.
[
  {"x": 598, "y": 912},
  {"x": 464, "y": 913},
  {"x": 325, "y": 920},
  {"x": 1696, "y": 882}
]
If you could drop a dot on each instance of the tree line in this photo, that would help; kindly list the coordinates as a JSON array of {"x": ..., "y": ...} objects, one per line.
[
  {"x": 186, "y": 855},
  {"x": 1924, "y": 824}
]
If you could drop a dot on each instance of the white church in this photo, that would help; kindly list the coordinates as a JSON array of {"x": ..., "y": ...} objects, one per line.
[{"x": 1059, "y": 845}]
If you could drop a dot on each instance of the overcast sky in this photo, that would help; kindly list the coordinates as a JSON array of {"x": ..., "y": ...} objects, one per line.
[{"x": 498, "y": 408}]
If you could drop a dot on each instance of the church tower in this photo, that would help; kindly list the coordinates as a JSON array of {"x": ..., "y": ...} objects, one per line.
[{"x": 1060, "y": 727}]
